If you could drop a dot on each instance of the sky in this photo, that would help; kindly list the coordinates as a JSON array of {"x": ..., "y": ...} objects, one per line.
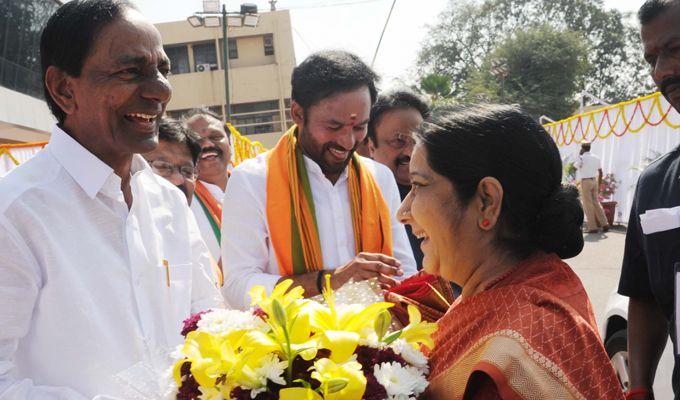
[{"x": 353, "y": 25}]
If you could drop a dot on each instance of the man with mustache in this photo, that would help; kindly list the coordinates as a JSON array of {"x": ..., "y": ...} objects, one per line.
[
  {"x": 311, "y": 206},
  {"x": 213, "y": 175},
  {"x": 394, "y": 117},
  {"x": 651, "y": 263},
  {"x": 101, "y": 259}
]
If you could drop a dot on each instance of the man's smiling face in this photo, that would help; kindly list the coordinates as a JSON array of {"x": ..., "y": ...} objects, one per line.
[{"x": 122, "y": 90}]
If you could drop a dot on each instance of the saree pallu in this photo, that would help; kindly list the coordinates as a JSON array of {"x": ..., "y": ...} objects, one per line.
[{"x": 532, "y": 333}]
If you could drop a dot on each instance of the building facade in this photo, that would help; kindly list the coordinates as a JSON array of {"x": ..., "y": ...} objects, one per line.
[
  {"x": 24, "y": 115},
  {"x": 261, "y": 61}
]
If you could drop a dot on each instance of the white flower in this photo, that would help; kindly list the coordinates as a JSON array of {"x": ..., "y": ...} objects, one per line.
[
  {"x": 272, "y": 368},
  {"x": 400, "y": 382},
  {"x": 370, "y": 339},
  {"x": 223, "y": 322},
  {"x": 410, "y": 354}
]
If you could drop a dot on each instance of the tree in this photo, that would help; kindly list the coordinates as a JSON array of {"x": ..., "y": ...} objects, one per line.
[
  {"x": 540, "y": 68},
  {"x": 469, "y": 30},
  {"x": 435, "y": 85}
]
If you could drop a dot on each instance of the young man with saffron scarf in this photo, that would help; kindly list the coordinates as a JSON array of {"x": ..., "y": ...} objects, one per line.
[{"x": 311, "y": 204}]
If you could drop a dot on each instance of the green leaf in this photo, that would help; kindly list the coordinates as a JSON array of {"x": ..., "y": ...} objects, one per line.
[
  {"x": 303, "y": 383},
  {"x": 382, "y": 323},
  {"x": 336, "y": 384},
  {"x": 392, "y": 337},
  {"x": 279, "y": 313}
]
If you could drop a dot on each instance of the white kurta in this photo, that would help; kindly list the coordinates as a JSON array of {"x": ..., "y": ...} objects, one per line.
[
  {"x": 84, "y": 294},
  {"x": 248, "y": 259},
  {"x": 204, "y": 223}
]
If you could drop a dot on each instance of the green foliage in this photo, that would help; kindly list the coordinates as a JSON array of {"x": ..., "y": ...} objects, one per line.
[
  {"x": 436, "y": 85},
  {"x": 468, "y": 31},
  {"x": 542, "y": 69}
]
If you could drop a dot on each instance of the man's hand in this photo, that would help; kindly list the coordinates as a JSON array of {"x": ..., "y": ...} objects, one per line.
[
  {"x": 366, "y": 266},
  {"x": 647, "y": 336}
]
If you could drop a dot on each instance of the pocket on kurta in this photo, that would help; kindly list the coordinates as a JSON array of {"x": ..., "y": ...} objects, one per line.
[{"x": 177, "y": 282}]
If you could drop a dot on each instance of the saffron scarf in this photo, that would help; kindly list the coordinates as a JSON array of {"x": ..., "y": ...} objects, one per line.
[
  {"x": 211, "y": 207},
  {"x": 532, "y": 333},
  {"x": 293, "y": 228}
]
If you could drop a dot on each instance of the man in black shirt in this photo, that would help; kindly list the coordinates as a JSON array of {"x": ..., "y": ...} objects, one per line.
[
  {"x": 652, "y": 256},
  {"x": 393, "y": 119}
]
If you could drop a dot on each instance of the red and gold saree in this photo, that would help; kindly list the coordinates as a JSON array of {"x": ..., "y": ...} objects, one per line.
[{"x": 530, "y": 335}]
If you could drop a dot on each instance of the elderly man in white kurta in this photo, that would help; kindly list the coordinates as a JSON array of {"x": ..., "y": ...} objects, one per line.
[
  {"x": 100, "y": 259},
  {"x": 311, "y": 207}
]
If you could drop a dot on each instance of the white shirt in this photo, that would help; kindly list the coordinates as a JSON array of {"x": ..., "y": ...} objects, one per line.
[
  {"x": 204, "y": 223},
  {"x": 83, "y": 289},
  {"x": 248, "y": 259},
  {"x": 588, "y": 166}
]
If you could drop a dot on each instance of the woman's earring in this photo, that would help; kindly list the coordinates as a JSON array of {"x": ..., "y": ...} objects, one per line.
[{"x": 486, "y": 223}]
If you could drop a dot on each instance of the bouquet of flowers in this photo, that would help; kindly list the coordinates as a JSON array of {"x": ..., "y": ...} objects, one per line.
[{"x": 292, "y": 348}]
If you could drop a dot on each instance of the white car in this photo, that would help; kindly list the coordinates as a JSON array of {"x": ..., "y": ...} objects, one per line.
[{"x": 615, "y": 336}]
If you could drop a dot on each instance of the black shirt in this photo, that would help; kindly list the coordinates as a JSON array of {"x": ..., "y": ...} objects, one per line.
[
  {"x": 415, "y": 242},
  {"x": 649, "y": 260}
]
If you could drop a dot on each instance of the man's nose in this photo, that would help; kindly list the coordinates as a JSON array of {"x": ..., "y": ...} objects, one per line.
[
  {"x": 347, "y": 139},
  {"x": 665, "y": 67},
  {"x": 176, "y": 178},
  {"x": 157, "y": 88}
]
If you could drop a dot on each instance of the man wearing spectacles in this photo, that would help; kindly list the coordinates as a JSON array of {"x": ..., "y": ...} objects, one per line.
[
  {"x": 175, "y": 159},
  {"x": 394, "y": 117},
  {"x": 212, "y": 163},
  {"x": 176, "y": 155}
]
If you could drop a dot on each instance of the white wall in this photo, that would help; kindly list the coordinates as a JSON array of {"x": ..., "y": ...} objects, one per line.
[
  {"x": 23, "y": 118},
  {"x": 623, "y": 155}
]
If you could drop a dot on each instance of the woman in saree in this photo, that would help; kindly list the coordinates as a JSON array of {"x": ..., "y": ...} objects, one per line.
[{"x": 487, "y": 200}]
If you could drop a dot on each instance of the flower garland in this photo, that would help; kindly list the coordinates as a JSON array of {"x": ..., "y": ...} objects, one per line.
[
  {"x": 585, "y": 128},
  {"x": 243, "y": 148}
]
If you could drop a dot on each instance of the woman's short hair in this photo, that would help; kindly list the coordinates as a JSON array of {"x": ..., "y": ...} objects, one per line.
[{"x": 468, "y": 143}]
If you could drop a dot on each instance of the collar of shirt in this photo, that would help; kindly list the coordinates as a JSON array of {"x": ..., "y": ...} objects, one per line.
[
  {"x": 315, "y": 169},
  {"x": 215, "y": 190},
  {"x": 91, "y": 173}
]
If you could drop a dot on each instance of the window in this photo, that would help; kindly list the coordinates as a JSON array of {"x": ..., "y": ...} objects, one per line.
[
  {"x": 254, "y": 118},
  {"x": 179, "y": 59},
  {"x": 254, "y": 107},
  {"x": 268, "y": 44},
  {"x": 233, "y": 48},
  {"x": 205, "y": 54},
  {"x": 21, "y": 23}
]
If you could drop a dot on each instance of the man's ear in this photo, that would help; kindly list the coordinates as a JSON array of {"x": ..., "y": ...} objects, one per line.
[
  {"x": 59, "y": 86},
  {"x": 297, "y": 113},
  {"x": 489, "y": 201}
]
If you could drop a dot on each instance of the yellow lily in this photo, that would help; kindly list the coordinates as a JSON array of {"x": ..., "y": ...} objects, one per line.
[
  {"x": 290, "y": 300},
  {"x": 344, "y": 381},
  {"x": 341, "y": 328},
  {"x": 298, "y": 393},
  {"x": 418, "y": 331},
  {"x": 210, "y": 356},
  {"x": 354, "y": 318}
]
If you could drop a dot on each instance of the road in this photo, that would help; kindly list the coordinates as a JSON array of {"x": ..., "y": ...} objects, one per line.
[{"x": 599, "y": 266}]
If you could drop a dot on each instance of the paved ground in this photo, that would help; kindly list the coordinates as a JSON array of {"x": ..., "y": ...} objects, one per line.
[{"x": 599, "y": 266}]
